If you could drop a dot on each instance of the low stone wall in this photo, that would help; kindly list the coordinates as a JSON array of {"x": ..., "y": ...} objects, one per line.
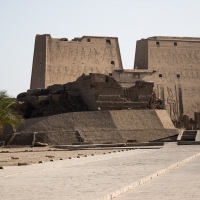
[{"x": 98, "y": 127}]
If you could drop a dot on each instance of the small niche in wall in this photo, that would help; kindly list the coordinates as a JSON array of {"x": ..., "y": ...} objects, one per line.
[
  {"x": 112, "y": 62},
  {"x": 88, "y": 40},
  {"x": 108, "y": 42},
  {"x": 160, "y": 75},
  {"x": 178, "y": 75},
  {"x": 157, "y": 44},
  {"x": 175, "y": 44}
]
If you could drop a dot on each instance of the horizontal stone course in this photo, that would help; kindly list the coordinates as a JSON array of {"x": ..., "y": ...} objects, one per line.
[{"x": 99, "y": 127}]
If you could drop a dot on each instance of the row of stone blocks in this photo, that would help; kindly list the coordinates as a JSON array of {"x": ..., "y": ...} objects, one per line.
[{"x": 97, "y": 127}]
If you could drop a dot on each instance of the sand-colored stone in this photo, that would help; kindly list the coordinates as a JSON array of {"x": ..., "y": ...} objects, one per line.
[
  {"x": 175, "y": 61},
  {"x": 58, "y": 61},
  {"x": 96, "y": 127}
]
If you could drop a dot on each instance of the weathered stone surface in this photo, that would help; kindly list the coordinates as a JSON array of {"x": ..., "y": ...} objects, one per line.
[
  {"x": 58, "y": 61},
  {"x": 104, "y": 92},
  {"x": 98, "y": 127},
  {"x": 175, "y": 61},
  {"x": 54, "y": 102},
  {"x": 88, "y": 92},
  {"x": 172, "y": 63}
]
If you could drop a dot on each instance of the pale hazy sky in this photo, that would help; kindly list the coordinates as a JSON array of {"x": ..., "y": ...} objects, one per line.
[{"x": 129, "y": 20}]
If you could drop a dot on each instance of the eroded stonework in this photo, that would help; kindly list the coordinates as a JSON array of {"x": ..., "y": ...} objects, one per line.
[
  {"x": 88, "y": 93},
  {"x": 176, "y": 62},
  {"x": 58, "y": 61},
  {"x": 171, "y": 63}
]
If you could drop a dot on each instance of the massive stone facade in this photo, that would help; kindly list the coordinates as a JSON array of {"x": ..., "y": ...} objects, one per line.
[
  {"x": 58, "y": 61},
  {"x": 176, "y": 63},
  {"x": 172, "y": 63}
]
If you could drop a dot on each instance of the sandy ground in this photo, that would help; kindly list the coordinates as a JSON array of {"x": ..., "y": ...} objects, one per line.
[{"x": 28, "y": 155}]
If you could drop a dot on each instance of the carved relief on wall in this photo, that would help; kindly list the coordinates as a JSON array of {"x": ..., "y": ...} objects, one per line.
[
  {"x": 196, "y": 105},
  {"x": 192, "y": 105},
  {"x": 173, "y": 104},
  {"x": 91, "y": 55},
  {"x": 62, "y": 73},
  {"x": 67, "y": 61},
  {"x": 174, "y": 56},
  {"x": 191, "y": 91},
  {"x": 169, "y": 74},
  {"x": 183, "y": 101}
]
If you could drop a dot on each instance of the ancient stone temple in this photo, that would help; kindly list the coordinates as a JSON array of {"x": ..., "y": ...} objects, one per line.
[
  {"x": 176, "y": 63},
  {"x": 171, "y": 63},
  {"x": 58, "y": 61}
]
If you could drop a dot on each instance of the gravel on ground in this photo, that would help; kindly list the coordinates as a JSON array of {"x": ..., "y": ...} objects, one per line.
[{"x": 30, "y": 155}]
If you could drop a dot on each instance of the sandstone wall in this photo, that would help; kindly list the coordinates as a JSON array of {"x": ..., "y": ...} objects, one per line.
[
  {"x": 58, "y": 61},
  {"x": 39, "y": 63},
  {"x": 177, "y": 78}
]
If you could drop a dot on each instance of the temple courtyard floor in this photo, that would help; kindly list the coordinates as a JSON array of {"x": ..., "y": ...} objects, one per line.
[{"x": 168, "y": 172}]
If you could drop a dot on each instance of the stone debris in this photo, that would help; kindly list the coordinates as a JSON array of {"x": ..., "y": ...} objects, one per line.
[
  {"x": 105, "y": 93},
  {"x": 40, "y": 144},
  {"x": 49, "y": 156},
  {"x": 15, "y": 158},
  {"x": 23, "y": 163}
]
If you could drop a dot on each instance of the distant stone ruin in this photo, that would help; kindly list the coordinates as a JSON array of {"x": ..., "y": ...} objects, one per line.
[
  {"x": 80, "y": 92},
  {"x": 88, "y": 93}
]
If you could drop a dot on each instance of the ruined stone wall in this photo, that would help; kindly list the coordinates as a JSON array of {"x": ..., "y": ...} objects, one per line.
[
  {"x": 127, "y": 78},
  {"x": 97, "y": 127},
  {"x": 103, "y": 91},
  {"x": 177, "y": 78},
  {"x": 59, "y": 61}
]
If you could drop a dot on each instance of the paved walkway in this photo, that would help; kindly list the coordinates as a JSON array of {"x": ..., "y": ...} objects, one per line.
[
  {"x": 182, "y": 183},
  {"x": 88, "y": 177}
]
